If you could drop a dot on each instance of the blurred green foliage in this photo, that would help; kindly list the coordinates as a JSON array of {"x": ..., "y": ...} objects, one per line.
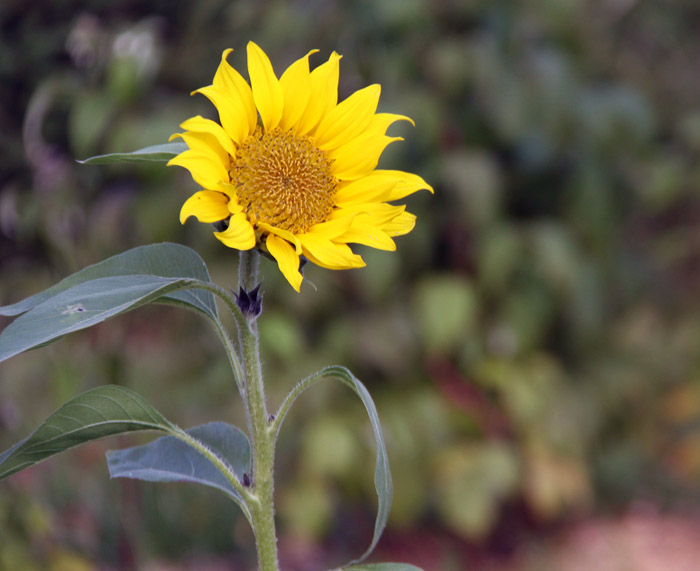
[{"x": 532, "y": 346}]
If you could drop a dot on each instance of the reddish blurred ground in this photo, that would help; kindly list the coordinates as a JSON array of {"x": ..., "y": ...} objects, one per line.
[{"x": 638, "y": 541}]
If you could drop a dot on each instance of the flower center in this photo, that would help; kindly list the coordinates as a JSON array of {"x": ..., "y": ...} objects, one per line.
[{"x": 283, "y": 180}]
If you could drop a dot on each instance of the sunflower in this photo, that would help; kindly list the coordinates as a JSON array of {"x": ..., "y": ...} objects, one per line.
[{"x": 291, "y": 171}]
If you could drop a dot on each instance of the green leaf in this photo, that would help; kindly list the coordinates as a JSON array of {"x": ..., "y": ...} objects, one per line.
[
  {"x": 384, "y": 567},
  {"x": 100, "y": 412},
  {"x": 169, "y": 459},
  {"x": 165, "y": 260},
  {"x": 382, "y": 473},
  {"x": 155, "y": 153},
  {"x": 82, "y": 306}
]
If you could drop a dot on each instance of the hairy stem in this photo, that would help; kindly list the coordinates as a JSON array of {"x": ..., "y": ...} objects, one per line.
[{"x": 263, "y": 441}]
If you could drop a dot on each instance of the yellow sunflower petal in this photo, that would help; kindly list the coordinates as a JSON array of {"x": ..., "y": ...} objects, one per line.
[
  {"x": 233, "y": 206},
  {"x": 380, "y": 212},
  {"x": 377, "y": 186},
  {"x": 359, "y": 157},
  {"x": 204, "y": 143},
  {"x": 337, "y": 225},
  {"x": 206, "y": 169},
  {"x": 324, "y": 94},
  {"x": 279, "y": 232},
  {"x": 297, "y": 88},
  {"x": 206, "y": 206},
  {"x": 348, "y": 119},
  {"x": 287, "y": 259},
  {"x": 267, "y": 91},
  {"x": 232, "y": 112},
  {"x": 328, "y": 254},
  {"x": 407, "y": 183},
  {"x": 201, "y": 125},
  {"x": 402, "y": 224},
  {"x": 239, "y": 234},
  {"x": 231, "y": 80},
  {"x": 364, "y": 231},
  {"x": 382, "y": 121}
]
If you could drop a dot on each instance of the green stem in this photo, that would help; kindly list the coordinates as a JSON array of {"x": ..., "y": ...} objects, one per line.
[{"x": 263, "y": 441}]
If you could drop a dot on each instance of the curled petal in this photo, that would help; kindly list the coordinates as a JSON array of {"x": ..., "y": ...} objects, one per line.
[
  {"x": 287, "y": 259},
  {"x": 206, "y": 169},
  {"x": 239, "y": 234},
  {"x": 206, "y": 206},
  {"x": 204, "y": 143},
  {"x": 199, "y": 124}
]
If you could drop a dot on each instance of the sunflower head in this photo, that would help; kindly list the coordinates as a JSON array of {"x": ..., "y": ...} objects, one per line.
[{"x": 291, "y": 171}]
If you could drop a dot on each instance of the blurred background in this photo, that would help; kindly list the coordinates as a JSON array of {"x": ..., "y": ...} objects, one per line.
[{"x": 532, "y": 346}]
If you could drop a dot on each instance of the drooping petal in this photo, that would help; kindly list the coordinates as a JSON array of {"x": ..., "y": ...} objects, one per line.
[
  {"x": 228, "y": 78},
  {"x": 239, "y": 235},
  {"x": 267, "y": 91},
  {"x": 287, "y": 259},
  {"x": 328, "y": 254},
  {"x": 232, "y": 112},
  {"x": 359, "y": 157},
  {"x": 296, "y": 85},
  {"x": 206, "y": 206},
  {"x": 206, "y": 169},
  {"x": 324, "y": 94},
  {"x": 348, "y": 119},
  {"x": 201, "y": 125}
]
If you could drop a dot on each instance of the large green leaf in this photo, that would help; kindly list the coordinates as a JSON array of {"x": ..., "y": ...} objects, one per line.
[
  {"x": 164, "y": 260},
  {"x": 155, "y": 153},
  {"x": 169, "y": 459},
  {"x": 382, "y": 473},
  {"x": 103, "y": 411},
  {"x": 82, "y": 306}
]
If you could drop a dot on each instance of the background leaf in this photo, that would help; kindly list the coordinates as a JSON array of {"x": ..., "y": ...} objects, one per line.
[
  {"x": 154, "y": 153},
  {"x": 169, "y": 459},
  {"x": 80, "y": 307},
  {"x": 100, "y": 412},
  {"x": 384, "y": 567},
  {"x": 165, "y": 260}
]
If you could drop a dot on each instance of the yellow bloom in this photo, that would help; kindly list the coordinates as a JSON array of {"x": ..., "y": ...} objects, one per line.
[{"x": 292, "y": 171}]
